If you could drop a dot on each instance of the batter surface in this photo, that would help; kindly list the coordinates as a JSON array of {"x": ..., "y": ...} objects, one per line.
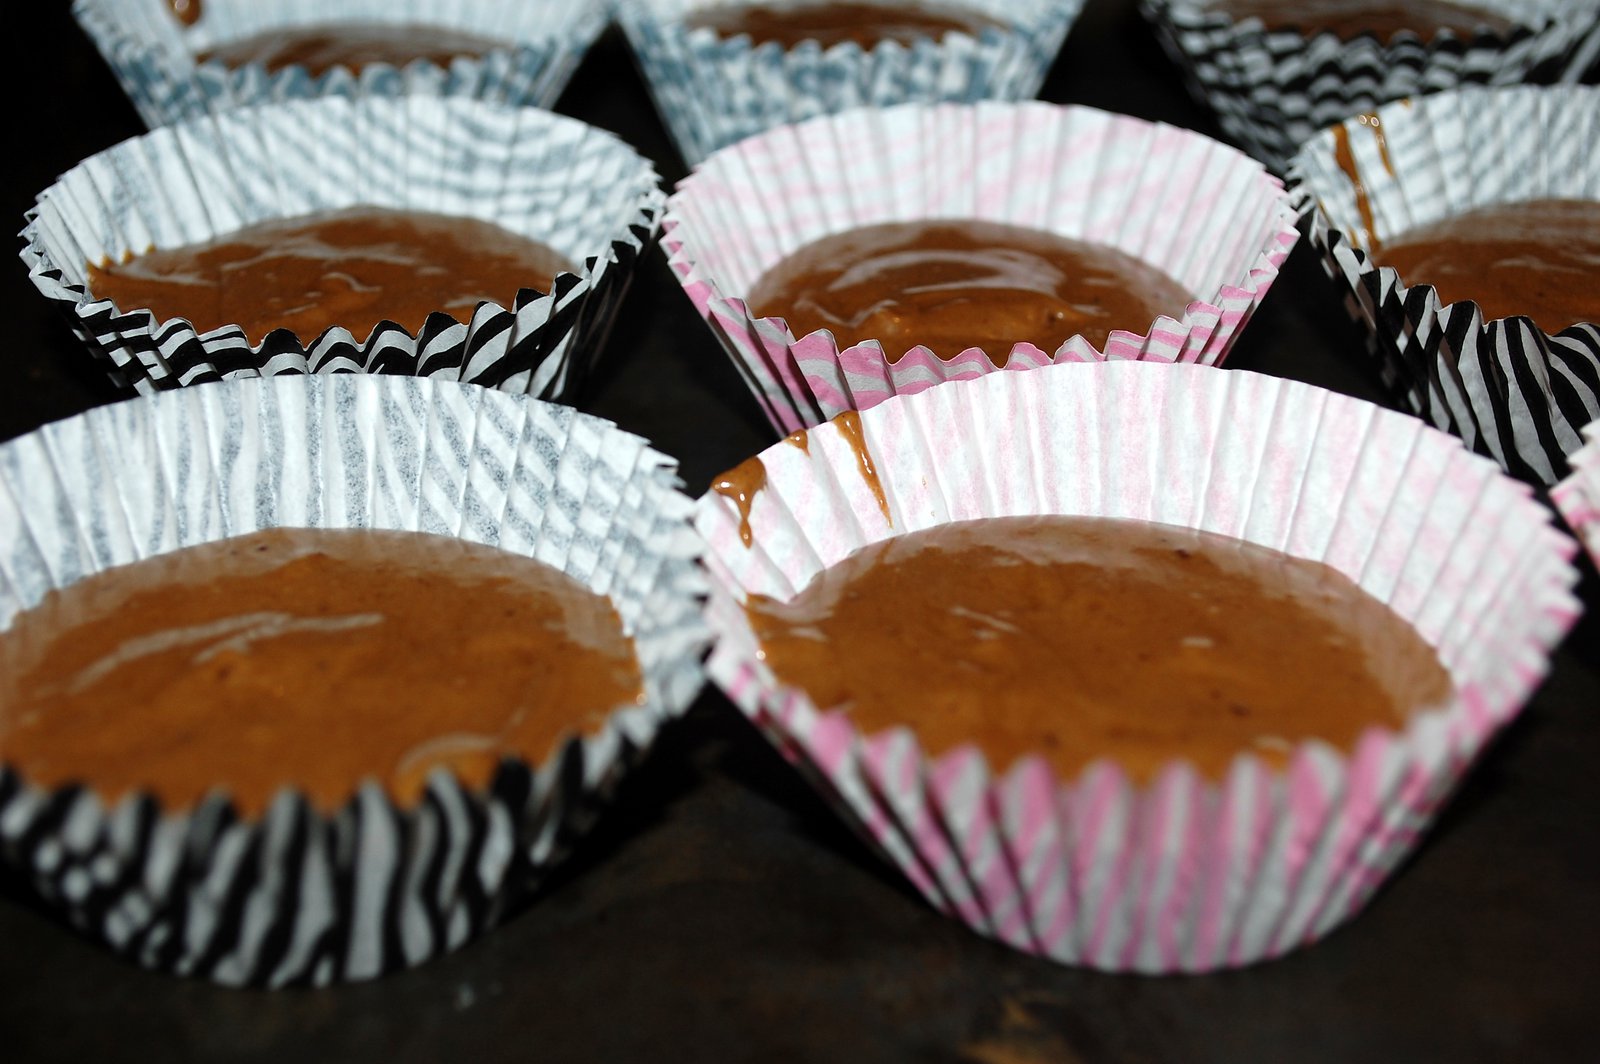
[
  {"x": 351, "y": 44},
  {"x": 1540, "y": 258},
  {"x": 307, "y": 658},
  {"x": 952, "y": 285},
  {"x": 353, "y": 267},
  {"x": 833, "y": 23},
  {"x": 1084, "y": 638},
  {"x": 1384, "y": 18}
]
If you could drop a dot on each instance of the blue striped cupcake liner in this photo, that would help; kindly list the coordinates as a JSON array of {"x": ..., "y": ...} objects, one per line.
[
  {"x": 1272, "y": 91},
  {"x": 712, "y": 92},
  {"x": 1510, "y": 390},
  {"x": 153, "y": 54},
  {"x": 296, "y": 895},
  {"x": 575, "y": 188}
]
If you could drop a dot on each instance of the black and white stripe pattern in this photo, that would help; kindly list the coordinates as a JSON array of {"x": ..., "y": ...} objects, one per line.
[
  {"x": 298, "y": 897},
  {"x": 153, "y": 54},
  {"x": 1510, "y": 390},
  {"x": 559, "y": 181},
  {"x": 712, "y": 92},
  {"x": 1273, "y": 91}
]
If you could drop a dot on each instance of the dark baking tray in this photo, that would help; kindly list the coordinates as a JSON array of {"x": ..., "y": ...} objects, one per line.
[{"x": 721, "y": 912}]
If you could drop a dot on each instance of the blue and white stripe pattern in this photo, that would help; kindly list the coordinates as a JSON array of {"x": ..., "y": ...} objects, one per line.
[
  {"x": 153, "y": 54},
  {"x": 297, "y": 896},
  {"x": 1510, "y": 390},
  {"x": 712, "y": 92},
  {"x": 1271, "y": 91},
  {"x": 577, "y": 189}
]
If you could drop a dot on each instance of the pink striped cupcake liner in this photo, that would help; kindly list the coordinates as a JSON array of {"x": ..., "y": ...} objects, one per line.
[
  {"x": 1184, "y": 873},
  {"x": 1210, "y": 217},
  {"x": 1578, "y": 496}
]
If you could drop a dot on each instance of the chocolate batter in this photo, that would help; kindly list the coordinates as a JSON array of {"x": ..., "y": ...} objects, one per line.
[
  {"x": 1540, "y": 258},
  {"x": 1084, "y": 638},
  {"x": 1381, "y": 18},
  {"x": 952, "y": 285},
  {"x": 834, "y": 23},
  {"x": 185, "y": 11},
  {"x": 352, "y": 45},
  {"x": 306, "y": 658},
  {"x": 353, "y": 267}
]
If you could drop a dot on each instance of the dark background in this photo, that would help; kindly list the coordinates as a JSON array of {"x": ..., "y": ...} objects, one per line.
[{"x": 721, "y": 912}]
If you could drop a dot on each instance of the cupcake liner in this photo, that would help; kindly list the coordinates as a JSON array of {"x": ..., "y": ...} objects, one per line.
[
  {"x": 712, "y": 92},
  {"x": 1271, "y": 91},
  {"x": 1511, "y": 390},
  {"x": 1209, "y": 217},
  {"x": 1182, "y": 873},
  {"x": 1578, "y": 497},
  {"x": 297, "y": 896},
  {"x": 559, "y": 181},
  {"x": 153, "y": 54}
]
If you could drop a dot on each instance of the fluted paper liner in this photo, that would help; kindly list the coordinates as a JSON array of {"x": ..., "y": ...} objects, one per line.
[
  {"x": 1271, "y": 91},
  {"x": 298, "y": 896},
  {"x": 1208, "y": 216},
  {"x": 566, "y": 184},
  {"x": 1578, "y": 496},
  {"x": 1183, "y": 873},
  {"x": 1511, "y": 390},
  {"x": 154, "y": 55},
  {"x": 713, "y": 92}
]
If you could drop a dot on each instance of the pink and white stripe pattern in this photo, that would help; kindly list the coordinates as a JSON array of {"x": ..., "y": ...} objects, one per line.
[
  {"x": 1578, "y": 496},
  {"x": 1185, "y": 873},
  {"x": 1210, "y": 217}
]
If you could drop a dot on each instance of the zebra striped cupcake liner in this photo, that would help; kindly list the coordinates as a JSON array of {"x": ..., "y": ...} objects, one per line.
[
  {"x": 1208, "y": 216},
  {"x": 568, "y": 185},
  {"x": 297, "y": 896},
  {"x": 1512, "y": 391},
  {"x": 1272, "y": 91},
  {"x": 155, "y": 56},
  {"x": 712, "y": 92},
  {"x": 1578, "y": 497},
  {"x": 1183, "y": 874}
]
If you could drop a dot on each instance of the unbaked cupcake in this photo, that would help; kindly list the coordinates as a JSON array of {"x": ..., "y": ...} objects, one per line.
[
  {"x": 1210, "y": 221},
  {"x": 578, "y": 190},
  {"x": 713, "y": 90},
  {"x": 1271, "y": 89},
  {"x": 175, "y": 58},
  {"x": 355, "y": 882},
  {"x": 1515, "y": 388},
  {"x": 1163, "y": 867}
]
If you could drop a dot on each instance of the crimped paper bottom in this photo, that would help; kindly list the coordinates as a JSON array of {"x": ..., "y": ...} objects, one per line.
[
  {"x": 1273, "y": 91},
  {"x": 556, "y": 180},
  {"x": 1184, "y": 873},
  {"x": 153, "y": 54},
  {"x": 1578, "y": 497},
  {"x": 1511, "y": 390},
  {"x": 297, "y": 896},
  {"x": 1206, "y": 215},
  {"x": 712, "y": 92}
]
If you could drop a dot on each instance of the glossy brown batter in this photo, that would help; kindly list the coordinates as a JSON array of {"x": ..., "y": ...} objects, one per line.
[
  {"x": 1382, "y": 18},
  {"x": 952, "y": 285},
  {"x": 1085, "y": 638},
  {"x": 1540, "y": 258},
  {"x": 834, "y": 23},
  {"x": 306, "y": 658},
  {"x": 352, "y": 45},
  {"x": 185, "y": 11},
  {"x": 353, "y": 267}
]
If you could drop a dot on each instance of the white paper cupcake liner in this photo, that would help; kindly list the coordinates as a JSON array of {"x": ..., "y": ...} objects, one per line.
[
  {"x": 712, "y": 92},
  {"x": 1182, "y": 873},
  {"x": 575, "y": 188},
  {"x": 298, "y": 896},
  {"x": 1208, "y": 216},
  {"x": 153, "y": 54},
  {"x": 1578, "y": 496},
  {"x": 1272, "y": 91},
  {"x": 1511, "y": 390}
]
